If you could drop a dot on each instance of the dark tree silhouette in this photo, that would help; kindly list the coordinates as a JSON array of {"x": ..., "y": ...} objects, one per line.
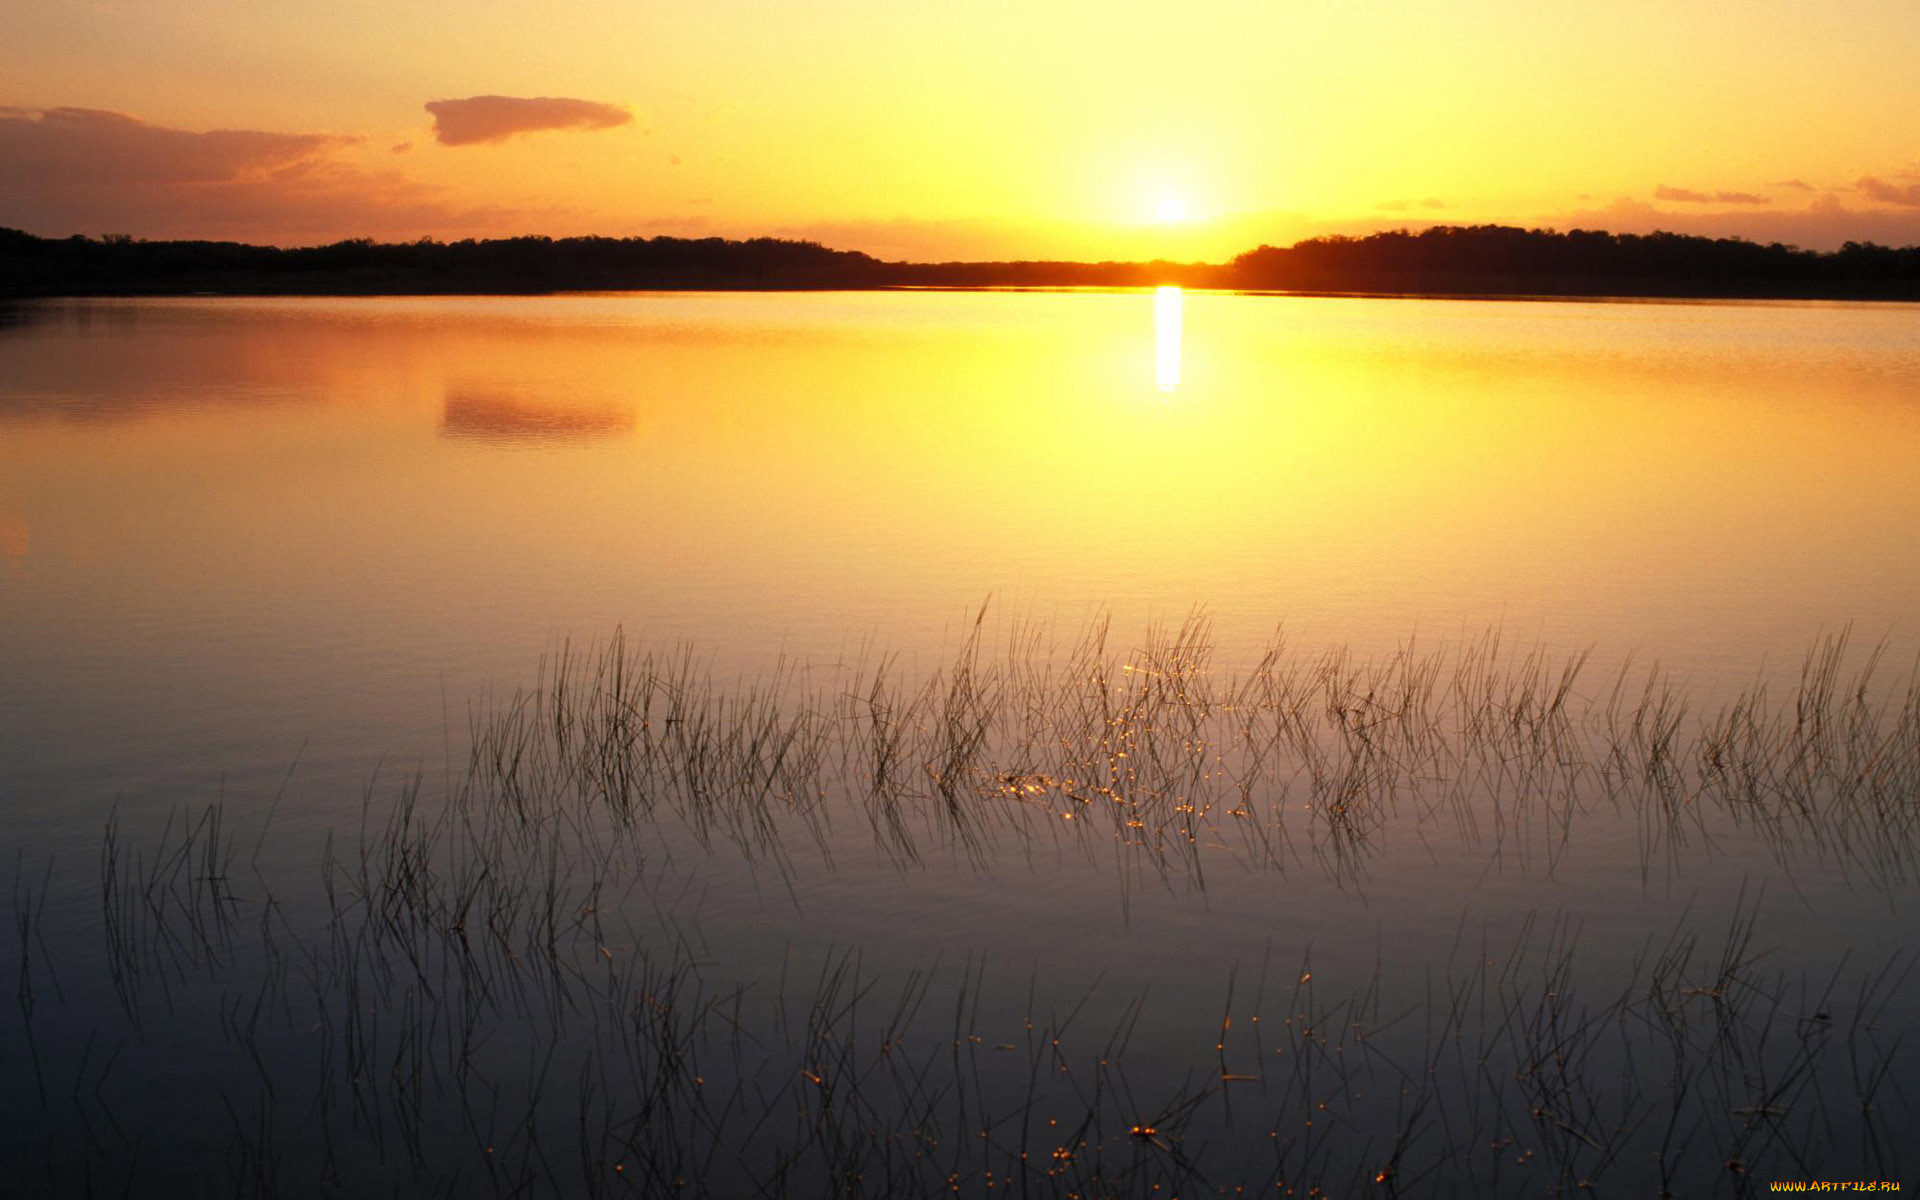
[
  {"x": 1444, "y": 260},
  {"x": 1501, "y": 260}
]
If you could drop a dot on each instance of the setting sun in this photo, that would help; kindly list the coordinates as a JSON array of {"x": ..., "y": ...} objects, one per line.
[
  {"x": 1172, "y": 210},
  {"x": 907, "y": 132},
  {"x": 738, "y": 567}
]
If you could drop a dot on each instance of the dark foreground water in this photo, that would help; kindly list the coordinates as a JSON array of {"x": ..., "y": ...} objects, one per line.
[{"x": 1098, "y": 744}]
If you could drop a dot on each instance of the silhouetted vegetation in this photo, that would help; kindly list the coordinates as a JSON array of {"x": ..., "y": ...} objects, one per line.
[
  {"x": 1444, "y": 260},
  {"x": 526, "y": 264},
  {"x": 1500, "y": 260}
]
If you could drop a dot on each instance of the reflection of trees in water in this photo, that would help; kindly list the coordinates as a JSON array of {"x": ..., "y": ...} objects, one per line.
[
  {"x": 510, "y": 419},
  {"x": 16, "y": 316},
  {"x": 113, "y": 360}
]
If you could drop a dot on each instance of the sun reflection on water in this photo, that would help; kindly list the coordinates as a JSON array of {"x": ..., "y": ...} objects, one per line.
[{"x": 1168, "y": 303}]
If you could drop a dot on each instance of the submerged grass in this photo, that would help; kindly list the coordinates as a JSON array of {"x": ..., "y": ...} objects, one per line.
[
  {"x": 1298, "y": 758},
  {"x": 489, "y": 992}
]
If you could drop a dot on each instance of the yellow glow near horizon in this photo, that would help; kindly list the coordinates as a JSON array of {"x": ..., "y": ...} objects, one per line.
[{"x": 1012, "y": 131}]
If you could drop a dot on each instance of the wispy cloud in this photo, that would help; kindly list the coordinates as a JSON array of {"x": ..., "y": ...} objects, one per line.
[
  {"x": 478, "y": 120},
  {"x": 1823, "y": 224},
  {"x": 1689, "y": 196},
  {"x": 1907, "y": 196}
]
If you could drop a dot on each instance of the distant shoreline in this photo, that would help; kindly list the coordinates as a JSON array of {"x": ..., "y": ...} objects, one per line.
[{"x": 1477, "y": 262}]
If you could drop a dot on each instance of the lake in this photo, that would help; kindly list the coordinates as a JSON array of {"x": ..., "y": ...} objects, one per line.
[{"x": 907, "y": 742}]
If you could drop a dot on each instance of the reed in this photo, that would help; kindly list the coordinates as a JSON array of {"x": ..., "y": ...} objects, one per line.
[
  {"x": 492, "y": 990},
  {"x": 1298, "y": 759}
]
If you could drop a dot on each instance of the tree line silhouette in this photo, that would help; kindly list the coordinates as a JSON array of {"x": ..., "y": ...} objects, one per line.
[
  {"x": 1443, "y": 260},
  {"x": 1501, "y": 260}
]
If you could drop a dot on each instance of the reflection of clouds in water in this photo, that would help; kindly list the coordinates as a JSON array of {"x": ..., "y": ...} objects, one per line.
[
  {"x": 15, "y": 541},
  {"x": 488, "y": 417}
]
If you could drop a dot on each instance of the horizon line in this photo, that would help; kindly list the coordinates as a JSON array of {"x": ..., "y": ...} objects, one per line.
[{"x": 116, "y": 238}]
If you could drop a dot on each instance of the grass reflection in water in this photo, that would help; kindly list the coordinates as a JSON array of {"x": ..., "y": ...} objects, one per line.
[{"x": 489, "y": 992}]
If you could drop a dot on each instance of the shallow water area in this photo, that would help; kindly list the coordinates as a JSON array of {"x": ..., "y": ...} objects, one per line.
[{"x": 1316, "y": 659}]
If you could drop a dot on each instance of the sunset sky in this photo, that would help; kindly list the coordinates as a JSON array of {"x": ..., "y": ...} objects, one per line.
[{"x": 983, "y": 130}]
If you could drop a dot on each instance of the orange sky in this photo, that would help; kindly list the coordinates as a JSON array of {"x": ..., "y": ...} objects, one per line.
[{"x": 991, "y": 129}]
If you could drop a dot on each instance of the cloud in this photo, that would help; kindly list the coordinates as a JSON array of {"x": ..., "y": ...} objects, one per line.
[
  {"x": 1890, "y": 193},
  {"x": 1688, "y": 196},
  {"x": 88, "y": 145},
  {"x": 1798, "y": 185},
  {"x": 481, "y": 119},
  {"x": 1824, "y": 224},
  {"x": 83, "y": 170}
]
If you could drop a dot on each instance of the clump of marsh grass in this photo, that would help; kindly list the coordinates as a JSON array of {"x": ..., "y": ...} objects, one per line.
[
  {"x": 1158, "y": 755},
  {"x": 492, "y": 991}
]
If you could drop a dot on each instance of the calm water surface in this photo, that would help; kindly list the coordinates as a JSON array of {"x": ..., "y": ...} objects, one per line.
[
  {"x": 259, "y": 547},
  {"x": 231, "y": 526}
]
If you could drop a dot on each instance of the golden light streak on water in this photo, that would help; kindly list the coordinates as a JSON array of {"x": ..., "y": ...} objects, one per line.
[{"x": 1168, "y": 306}]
